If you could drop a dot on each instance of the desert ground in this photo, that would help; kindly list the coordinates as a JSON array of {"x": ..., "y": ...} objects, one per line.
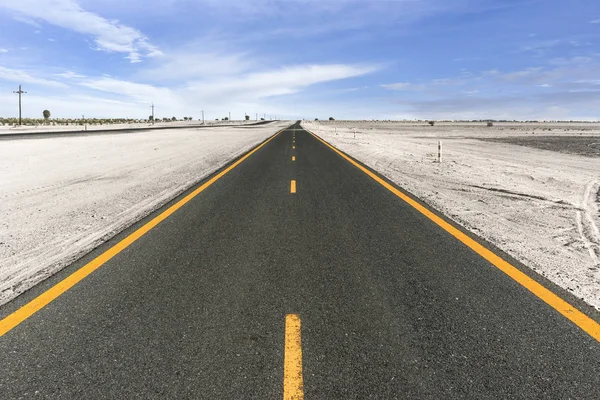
[
  {"x": 532, "y": 189},
  {"x": 60, "y": 197}
]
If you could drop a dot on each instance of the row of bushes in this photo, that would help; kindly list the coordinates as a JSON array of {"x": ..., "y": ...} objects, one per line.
[{"x": 79, "y": 121}]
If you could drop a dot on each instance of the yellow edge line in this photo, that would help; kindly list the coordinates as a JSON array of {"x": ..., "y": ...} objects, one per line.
[
  {"x": 584, "y": 322},
  {"x": 293, "y": 385},
  {"x": 26, "y": 311}
]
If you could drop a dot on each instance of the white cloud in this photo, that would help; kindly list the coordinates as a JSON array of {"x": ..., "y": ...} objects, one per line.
[
  {"x": 109, "y": 36},
  {"x": 136, "y": 91},
  {"x": 283, "y": 81},
  {"x": 434, "y": 84},
  {"x": 3, "y": 50},
  {"x": 70, "y": 75},
  {"x": 595, "y": 21},
  {"x": 20, "y": 76},
  {"x": 193, "y": 63},
  {"x": 398, "y": 86}
]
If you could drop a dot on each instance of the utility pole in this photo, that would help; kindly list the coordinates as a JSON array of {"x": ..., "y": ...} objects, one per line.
[
  {"x": 152, "y": 106},
  {"x": 202, "y": 117},
  {"x": 229, "y": 115},
  {"x": 20, "y": 92},
  {"x": 257, "y": 116}
]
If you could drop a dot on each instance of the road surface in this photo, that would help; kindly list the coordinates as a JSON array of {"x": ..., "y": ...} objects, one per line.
[{"x": 295, "y": 273}]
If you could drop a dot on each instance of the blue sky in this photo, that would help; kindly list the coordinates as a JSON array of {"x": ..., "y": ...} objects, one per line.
[{"x": 387, "y": 59}]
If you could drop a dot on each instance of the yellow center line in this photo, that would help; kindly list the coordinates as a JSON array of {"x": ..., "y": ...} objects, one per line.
[
  {"x": 293, "y": 186},
  {"x": 26, "y": 311},
  {"x": 584, "y": 322},
  {"x": 293, "y": 158},
  {"x": 293, "y": 147},
  {"x": 293, "y": 385}
]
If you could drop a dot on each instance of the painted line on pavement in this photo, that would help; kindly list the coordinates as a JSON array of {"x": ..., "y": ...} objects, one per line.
[
  {"x": 293, "y": 385},
  {"x": 293, "y": 186},
  {"x": 584, "y": 322},
  {"x": 27, "y": 310}
]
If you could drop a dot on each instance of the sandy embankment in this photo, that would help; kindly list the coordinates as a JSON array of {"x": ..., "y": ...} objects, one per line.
[
  {"x": 540, "y": 206},
  {"x": 10, "y": 129},
  {"x": 61, "y": 197}
]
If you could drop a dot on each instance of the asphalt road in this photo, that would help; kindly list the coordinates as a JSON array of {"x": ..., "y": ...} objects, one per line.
[{"x": 391, "y": 306}]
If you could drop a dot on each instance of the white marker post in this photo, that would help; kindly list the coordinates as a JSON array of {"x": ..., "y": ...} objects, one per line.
[{"x": 440, "y": 151}]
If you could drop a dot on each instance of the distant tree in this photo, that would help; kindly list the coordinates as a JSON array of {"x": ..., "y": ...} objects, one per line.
[
  {"x": 490, "y": 124},
  {"x": 262, "y": 119},
  {"x": 225, "y": 119},
  {"x": 432, "y": 123},
  {"x": 174, "y": 119},
  {"x": 331, "y": 119},
  {"x": 247, "y": 118},
  {"x": 185, "y": 118},
  {"x": 46, "y": 114},
  {"x": 316, "y": 119},
  {"x": 151, "y": 118}
]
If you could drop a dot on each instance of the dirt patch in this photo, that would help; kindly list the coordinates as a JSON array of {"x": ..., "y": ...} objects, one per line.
[{"x": 588, "y": 146}]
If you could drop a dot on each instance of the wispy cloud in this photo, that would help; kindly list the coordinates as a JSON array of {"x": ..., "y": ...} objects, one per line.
[
  {"x": 111, "y": 36},
  {"x": 277, "y": 82},
  {"x": 193, "y": 62},
  {"x": 134, "y": 91},
  {"x": 434, "y": 84},
  {"x": 70, "y": 75},
  {"x": 398, "y": 86},
  {"x": 20, "y": 76}
]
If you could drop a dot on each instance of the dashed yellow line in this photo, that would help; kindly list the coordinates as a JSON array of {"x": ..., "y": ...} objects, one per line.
[
  {"x": 584, "y": 322},
  {"x": 294, "y": 147},
  {"x": 293, "y": 158},
  {"x": 293, "y": 385},
  {"x": 293, "y": 186},
  {"x": 26, "y": 311}
]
